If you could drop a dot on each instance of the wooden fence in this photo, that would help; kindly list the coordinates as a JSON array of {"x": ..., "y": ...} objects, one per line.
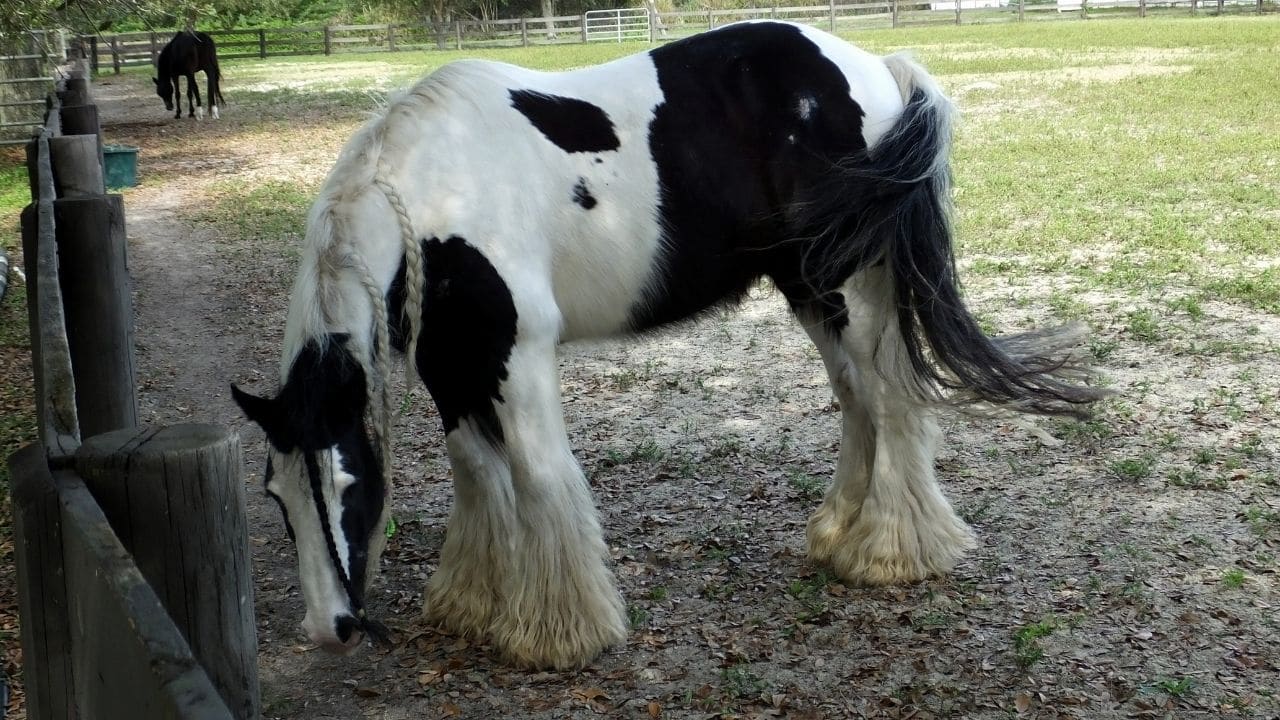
[
  {"x": 130, "y": 49},
  {"x": 134, "y": 587},
  {"x": 26, "y": 63}
]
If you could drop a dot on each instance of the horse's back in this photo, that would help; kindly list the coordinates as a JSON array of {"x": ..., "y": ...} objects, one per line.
[{"x": 637, "y": 189}]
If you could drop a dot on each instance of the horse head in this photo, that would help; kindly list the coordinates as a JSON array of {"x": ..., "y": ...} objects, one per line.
[
  {"x": 325, "y": 474},
  {"x": 164, "y": 88}
]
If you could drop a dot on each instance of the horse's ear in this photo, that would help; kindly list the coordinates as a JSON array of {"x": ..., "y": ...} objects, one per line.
[{"x": 267, "y": 413}]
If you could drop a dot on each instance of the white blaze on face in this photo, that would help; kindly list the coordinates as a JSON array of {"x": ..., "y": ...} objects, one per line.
[{"x": 325, "y": 597}]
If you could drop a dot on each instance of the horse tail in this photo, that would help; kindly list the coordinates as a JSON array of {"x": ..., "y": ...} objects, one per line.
[{"x": 901, "y": 217}]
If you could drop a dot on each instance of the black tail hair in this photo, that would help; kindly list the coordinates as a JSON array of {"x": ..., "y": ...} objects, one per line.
[{"x": 892, "y": 205}]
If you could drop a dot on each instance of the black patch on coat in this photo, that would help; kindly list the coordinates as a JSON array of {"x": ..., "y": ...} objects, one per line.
[
  {"x": 582, "y": 195},
  {"x": 574, "y": 125},
  {"x": 734, "y": 157},
  {"x": 468, "y": 330}
]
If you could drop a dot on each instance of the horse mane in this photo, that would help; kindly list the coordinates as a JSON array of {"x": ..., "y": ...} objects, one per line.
[{"x": 366, "y": 161}]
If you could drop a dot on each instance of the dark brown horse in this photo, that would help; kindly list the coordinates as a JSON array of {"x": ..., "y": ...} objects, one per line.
[{"x": 188, "y": 53}]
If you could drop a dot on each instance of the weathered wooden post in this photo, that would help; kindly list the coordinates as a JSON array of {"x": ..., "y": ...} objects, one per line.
[
  {"x": 75, "y": 165},
  {"x": 175, "y": 498},
  {"x": 1022, "y": 9},
  {"x": 391, "y": 37},
  {"x": 155, "y": 49},
  {"x": 328, "y": 40},
  {"x": 457, "y": 32},
  {"x": 76, "y": 92},
  {"x": 957, "y": 12},
  {"x": 94, "y": 276},
  {"x": 115, "y": 55},
  {"x": 262, "y": 43},
  {"x": 894, "y": 13},
  {"x": 831, "y": 11},
  {"x": 82, "y": 120},
  {"x": 582, "y": 26},
  {"x": 42, "y": 592}
]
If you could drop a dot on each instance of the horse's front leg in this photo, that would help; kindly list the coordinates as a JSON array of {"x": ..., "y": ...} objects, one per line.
[
  {"x": 524, "y": 560},
  {"x": 194, "y": 106},
  {"x": 177, "y": 97}
]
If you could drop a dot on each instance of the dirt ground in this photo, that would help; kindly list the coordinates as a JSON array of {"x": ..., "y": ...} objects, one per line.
[{"x": 1100, "y": 588}]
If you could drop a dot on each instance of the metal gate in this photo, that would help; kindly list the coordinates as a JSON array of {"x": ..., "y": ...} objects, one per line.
[{"x": 618, "y": 25}]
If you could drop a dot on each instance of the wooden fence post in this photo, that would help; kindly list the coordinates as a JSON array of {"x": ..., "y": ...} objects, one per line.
[
  {"x": 831, "y": 13},
  {"x": 957, "y": 12},
  {"x": 75, "y": 165},
  {"x": 115, "y": 55},
  {"x": 894, "y": 13},
  {"x": 457, "y": 31},
  {"x": 1022, "y": 7},
  {"x": 1142, "y": 8},
  {"x": 77, "y": 92},
  {"x": 155, "y": 50},
  {"x": 1220, "y": 3},
  {"x": 42, "y": 590},
  {"x": 175, "y": 498},
  {"x": 94, "y": 63},
  {"x": 582, "y": 22},
  {"x": 711, "y": 23},
  {"x": 128, "y": 659},
  {"x": 82, "y": 120},
  {"x": 328, "y": 40},
  {"x": 94, "y": 277},
  {"x": 262, "y": 43},
  {"x": 391, "y": 37},
  {"x": 524, "y": 32}
]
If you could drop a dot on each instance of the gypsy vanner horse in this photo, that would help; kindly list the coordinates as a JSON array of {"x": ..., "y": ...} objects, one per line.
[
  {"x": 188, "y": 53},
  {"x": 492, "y": 212}
]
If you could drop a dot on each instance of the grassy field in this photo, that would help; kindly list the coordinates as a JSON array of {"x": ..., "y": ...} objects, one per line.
[{"x": 1121, "y": 172}]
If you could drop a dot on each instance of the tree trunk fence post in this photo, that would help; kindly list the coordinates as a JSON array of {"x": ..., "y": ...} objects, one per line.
[
  {"x": 76, "y": 171},
  {"x": 262, "y": 44},
  {"x": 175, "y": 498},
  {"x": 94, "y": 275},
  {"x": 524, "y": 32},
  {"x": 42, "y": 589},
  {"x": 328, "y": 40}
]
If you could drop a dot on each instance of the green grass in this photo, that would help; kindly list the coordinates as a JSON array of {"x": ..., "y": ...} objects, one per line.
[{"x": 1027, "y": 650}]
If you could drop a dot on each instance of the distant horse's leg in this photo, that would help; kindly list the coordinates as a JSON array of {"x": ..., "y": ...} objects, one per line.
[
  {"x": 524, "y": 559},
  {"x": 884, "y": 520},
  {"x": 211, "y": 82},
  {"x": 193, "y": 106},
  {"x": 177, "y": 96}
]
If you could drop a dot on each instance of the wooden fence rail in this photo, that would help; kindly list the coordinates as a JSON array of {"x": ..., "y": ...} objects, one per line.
[
  {"x": 119, "y": 616},
  {"x": 132, "y": 49}
]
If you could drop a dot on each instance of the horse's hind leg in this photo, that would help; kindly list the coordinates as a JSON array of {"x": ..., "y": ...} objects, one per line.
[
  {"x": 524, "y": 559},
  {"x": 211, "y": 86},
  {"x": 194, "y": 107},
  {"x": 884, "y": 520}
]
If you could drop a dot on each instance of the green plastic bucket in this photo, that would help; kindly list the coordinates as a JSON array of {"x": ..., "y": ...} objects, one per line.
[{"x": 120, "y": 166}]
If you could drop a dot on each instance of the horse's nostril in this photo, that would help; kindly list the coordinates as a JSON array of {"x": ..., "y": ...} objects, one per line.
[{"x": 345, "y": 626}]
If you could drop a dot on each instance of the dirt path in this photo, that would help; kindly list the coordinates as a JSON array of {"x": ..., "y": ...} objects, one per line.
[{"x": 1097, "y": 592}]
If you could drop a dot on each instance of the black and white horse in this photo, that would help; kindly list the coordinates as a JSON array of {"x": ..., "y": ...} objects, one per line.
[
  {"x": 188, "y": 53},
  {"x": 492, "y": 213}
]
